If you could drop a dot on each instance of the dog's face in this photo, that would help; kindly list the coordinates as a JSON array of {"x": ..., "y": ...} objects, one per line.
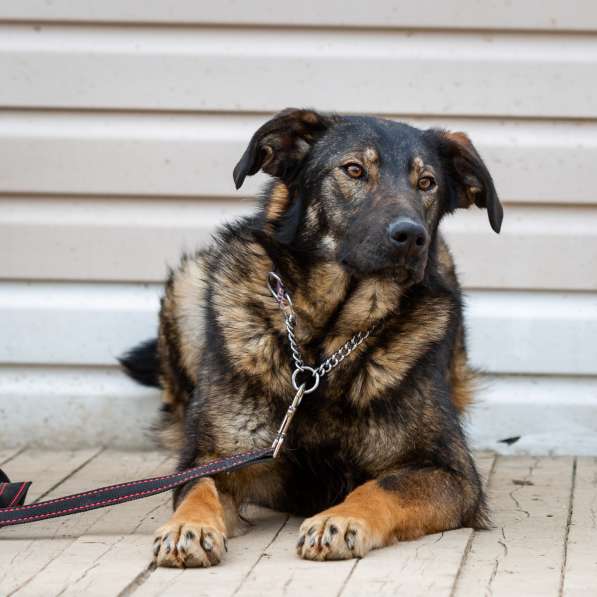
[{"x": 365, "y": 191}]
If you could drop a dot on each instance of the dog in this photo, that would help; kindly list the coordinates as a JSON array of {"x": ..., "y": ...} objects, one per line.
[{"x": 376, "y": 454}]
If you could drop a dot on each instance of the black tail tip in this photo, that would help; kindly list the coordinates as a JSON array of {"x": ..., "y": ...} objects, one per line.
[{"x": 141, "y": 363}]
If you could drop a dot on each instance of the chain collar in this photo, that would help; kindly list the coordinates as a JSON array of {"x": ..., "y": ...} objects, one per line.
[{"x": 276, "y": 287}]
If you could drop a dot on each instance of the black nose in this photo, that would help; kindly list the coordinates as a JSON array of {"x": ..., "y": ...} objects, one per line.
[{"x": 408, "y": 236}]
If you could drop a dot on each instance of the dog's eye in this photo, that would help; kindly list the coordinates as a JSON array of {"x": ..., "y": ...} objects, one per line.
[
  {"x": 426, "y": 183},
  {"x": 354, "y": 170}
]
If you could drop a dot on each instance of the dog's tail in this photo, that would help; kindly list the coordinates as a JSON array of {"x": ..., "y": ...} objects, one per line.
[{"x": 142, "y": 364}]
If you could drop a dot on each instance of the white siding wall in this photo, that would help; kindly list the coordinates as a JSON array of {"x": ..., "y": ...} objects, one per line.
[{"x": 121, "y": 122}]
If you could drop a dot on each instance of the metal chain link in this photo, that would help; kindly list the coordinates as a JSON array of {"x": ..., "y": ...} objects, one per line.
[{"x": 284, "y": 301}]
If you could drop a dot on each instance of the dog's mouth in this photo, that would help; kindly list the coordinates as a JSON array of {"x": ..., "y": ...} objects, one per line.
[{"x": 403, "y": 275}]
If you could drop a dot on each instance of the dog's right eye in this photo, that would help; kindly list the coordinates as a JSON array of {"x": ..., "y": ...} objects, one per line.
[{"x": 354, "y": 170}]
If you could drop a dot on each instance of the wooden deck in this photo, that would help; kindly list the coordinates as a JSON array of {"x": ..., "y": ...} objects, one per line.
[{"x": 544, "y": 542}]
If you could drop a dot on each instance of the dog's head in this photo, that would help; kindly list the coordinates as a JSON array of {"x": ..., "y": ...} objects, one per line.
[{"x": 365, "y": 191}]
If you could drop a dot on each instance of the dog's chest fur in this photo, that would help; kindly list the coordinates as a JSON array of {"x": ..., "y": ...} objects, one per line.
[{"x": 245, "y": 376}]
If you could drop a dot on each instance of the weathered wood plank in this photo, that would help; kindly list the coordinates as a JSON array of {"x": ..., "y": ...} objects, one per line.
[
  {"x": 529, "y": 497},
  {"x": 35, "y": 546},
  {"x": 30, "y": 466},
  {"x": 7, "y": 454},
  {"x": 48, "y": 470},
  {"x": 485, "y": 462},
  {"x": 104, "y": 560},
  {"x": 121, "y": 559},
  {"x": 424, "y": 567},
  {"x": 94, "y": 565},
  {"x": 244, "y": 553},
  {"x": 284, "y": 573},
  {"x": 580, "y": 574},
  {"x": 524, "y": 553}
]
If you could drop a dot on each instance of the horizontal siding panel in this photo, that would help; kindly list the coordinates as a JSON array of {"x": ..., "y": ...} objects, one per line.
[
  {"x": 534, "y": 332},
  {"x": 510, "y": 332},
  {"x": 61, "y": 407},
  {"x": 83, "y": 406},
  {"x": 265, "y": 69},
  {"x": 105, "y": 239},
  {"x": 123, "y": 239},
  {"x": 549, "y": 415},
  {"x": 193, "y": 155},
  {"x": 537, "y": 248},
  {"x": 518, "y": 14}
]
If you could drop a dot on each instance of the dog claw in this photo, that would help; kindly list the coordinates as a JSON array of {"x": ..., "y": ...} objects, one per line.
[
  {"x": 207, "y": 542},
  {"x": 167, "y": 543},
  {"x": 156, "y": 546}
]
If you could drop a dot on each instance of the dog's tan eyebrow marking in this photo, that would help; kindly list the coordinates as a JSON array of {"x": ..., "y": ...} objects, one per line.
[
  {"x": 367, "y": 157},
  {"x": 370, "y": 155},
  {"x": 418, "y": 168},
  {"x": 371, "y": 161}
]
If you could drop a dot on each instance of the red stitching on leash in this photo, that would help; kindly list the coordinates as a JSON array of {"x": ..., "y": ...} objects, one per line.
[
  {"x": 106, "y": 502},
  {"x": 17, "y": 494},
  {"x": 231, "y": 459},
  {"x": 181, "y": 477}
]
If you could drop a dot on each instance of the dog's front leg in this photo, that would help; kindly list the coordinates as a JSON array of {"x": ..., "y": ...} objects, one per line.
[
  {"x": 402, "y": 505},
  {"x": 196, "y": 534}
]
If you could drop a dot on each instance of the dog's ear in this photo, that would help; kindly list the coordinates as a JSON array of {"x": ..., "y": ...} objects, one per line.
[
  {"x": 280, "y": 145},
  {"x": 469, "y": 175}
]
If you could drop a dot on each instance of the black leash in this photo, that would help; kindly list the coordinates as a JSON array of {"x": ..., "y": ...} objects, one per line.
[{"x": 12, "y": 495}]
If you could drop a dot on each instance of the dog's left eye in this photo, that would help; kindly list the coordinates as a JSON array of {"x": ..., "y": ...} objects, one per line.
[
  {"x": 426, "y": 183},
  {"x": 354, "y": 170}
]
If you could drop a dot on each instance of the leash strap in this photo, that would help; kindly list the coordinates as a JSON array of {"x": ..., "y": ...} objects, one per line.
[{"x": 12, "y": 495}]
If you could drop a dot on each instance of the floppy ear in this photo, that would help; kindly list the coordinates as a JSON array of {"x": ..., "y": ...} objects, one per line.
[
  {"x": 469, "y": 174},
  {"x": 279, "y": 146}
]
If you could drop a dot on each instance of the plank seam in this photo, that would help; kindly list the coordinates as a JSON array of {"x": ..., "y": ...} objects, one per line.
[
  {"x": 466, "y": 551},
  {"x": 139, "y": 580},
  {"x": 276, "y": 535},
  {"x": 142, "y": 577},
  {"x": 469, "y": 544},
  {"x": 13, "y": 456},
  {"x": 69, "y": 475},
  {"x": 568, "y": 524},
  {"x": 94, "y": 564},
  {"x": 55, "y": 486},
  {"x": 348, "y": 577}
]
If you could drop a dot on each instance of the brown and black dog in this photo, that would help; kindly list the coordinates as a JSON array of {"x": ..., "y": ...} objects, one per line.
[{"x": 377, "y": 453}]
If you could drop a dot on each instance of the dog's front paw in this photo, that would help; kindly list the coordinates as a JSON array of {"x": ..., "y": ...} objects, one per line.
[
  {"x": 188, "y": 545},
  {"x": 334, "y": 537}
]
